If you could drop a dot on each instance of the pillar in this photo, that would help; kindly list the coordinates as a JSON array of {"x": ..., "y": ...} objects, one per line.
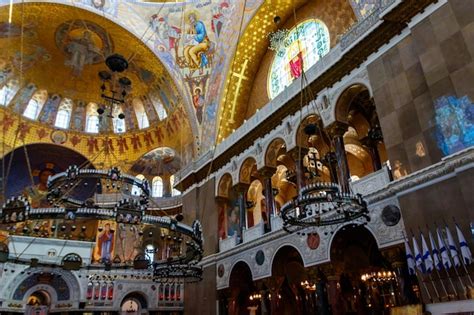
[
  {"x": 298, "y": 154},
  {"x": 242, "y": 189},
  {"x": 222, "y": 204},
  {"x": 337, "y": 130},
  {"x": 267, "y": 173},
  {"x": 370, "y": 142}
]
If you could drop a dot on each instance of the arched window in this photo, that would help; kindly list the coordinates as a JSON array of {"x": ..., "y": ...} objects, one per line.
[
  {"x": 174, "y": 191},
  {"x": 160, "y": 109},
  {"x": 119, "y": 124},
  {"x": 157, "y": 187},
  {"x": 63, "y": 117},
  {"x": 136, "y": 191},
  {"x": 35, "y": 104},
  {"x": 142, "y": 118},
  {"x": 150, "y": 252},
  {"x": 8, "y": 91},
  {"x": 302, "y": 48},
  {"x": 92, "y": 118}
]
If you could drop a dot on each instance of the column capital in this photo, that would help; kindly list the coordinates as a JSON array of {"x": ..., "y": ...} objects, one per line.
[
  {"x": 241, "y": 187},
  {"x": 267, "y": 171},
  {"x": 337, "y": 129},
  {"x": 296, "y": 155}
]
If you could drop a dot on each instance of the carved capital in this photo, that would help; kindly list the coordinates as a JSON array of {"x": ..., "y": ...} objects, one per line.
[
  {"x": 298, "y": 153},
  {"x": 241, "y": 187},
  {"x": 337, "y": 129},
  {"x": 267, "y": 171}
]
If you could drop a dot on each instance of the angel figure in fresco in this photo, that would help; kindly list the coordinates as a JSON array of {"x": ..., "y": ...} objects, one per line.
[
  {"x": 219, "y": 14},
  {"x": 168, "y": 34},
  {"x": 83, "y": 51},
  {"x": 196, "y": 42}
]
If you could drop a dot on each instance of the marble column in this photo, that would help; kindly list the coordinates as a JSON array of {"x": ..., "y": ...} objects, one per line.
[
  {"x": 337, "y": 130},
  {"x": 242, "y": 189},
  {"x": 298, "y": 154},
  {"x": 267, "y": 173}
]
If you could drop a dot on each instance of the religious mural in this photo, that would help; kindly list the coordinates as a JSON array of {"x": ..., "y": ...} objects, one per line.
[
  {"x": 105, "y": 241},
  {"x": 454, "y": 123}
]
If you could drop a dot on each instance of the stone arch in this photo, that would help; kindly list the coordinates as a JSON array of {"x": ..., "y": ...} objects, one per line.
[
  {"x": 272, "y": 151},
  {"x": 346, "y": 96},
  {"x": 138, "y": 296},
  {"x": 282, "y": 248},
  {"x": 341, "y": 228},
  {"x": 224, "y": 186},
  {"x": 235, "y": 267},
  {"x": 247, "y": 167},
  {"x": 52, "y": 280}
]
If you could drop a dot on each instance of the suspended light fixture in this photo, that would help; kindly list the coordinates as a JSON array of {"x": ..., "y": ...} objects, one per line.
[
  {"x": 114, "y": 90},
  {"x": 318, "y": 202}
]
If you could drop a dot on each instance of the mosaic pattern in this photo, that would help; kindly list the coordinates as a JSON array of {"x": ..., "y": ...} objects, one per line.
[{"x": 455, "y": 123}]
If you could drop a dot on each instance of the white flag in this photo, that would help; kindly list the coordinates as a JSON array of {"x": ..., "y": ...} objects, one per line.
[
  {"x": 443, "y": 251},
  {"x": 410, "y": 259},
  {"x": 418, "y": 257},
  {"x": 453, "y": 251},
  {"x": 427, "y": 259},
  {"x": 465, "y": 251},
  {"x": 435, "y": 252}
]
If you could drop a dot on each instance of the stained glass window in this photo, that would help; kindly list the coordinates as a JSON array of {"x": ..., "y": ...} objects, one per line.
[
  {"x": 302, "y": 48},
  {"x": 174, "y": 191},
  {"x": 142, "y": 117},
  {"x": 8, "y": 91},
  {"x": 92, "y": 118},
  {"x": 119, "y": 124},
  {"x": 35, "y": 104},
  {"x": 157, "y": 187},
  {"x": 63, "y": 117}
]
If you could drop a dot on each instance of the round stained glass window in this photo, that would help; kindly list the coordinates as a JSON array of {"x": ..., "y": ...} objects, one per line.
[{"x": 304, "y": 45}]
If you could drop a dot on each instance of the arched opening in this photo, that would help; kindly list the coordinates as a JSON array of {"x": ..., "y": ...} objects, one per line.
[
  {"x": 157, "y": 187},
  {"x": 256, "y": 203},
  {"x": 133, "y": 304},
  {"x": 287, "y": 295},
  {"x": 228, "y": 224},
  {"x": 363, "y": 139},
  {"x": 38, "y": 303},
  {"x": 304, "y": 45},
  {"x": 241, "y": 286},
  {"x": 364, "y": 275}
]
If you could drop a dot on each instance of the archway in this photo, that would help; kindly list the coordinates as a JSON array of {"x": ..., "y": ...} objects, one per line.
[
  {"x": 134, "y": 303},
  {"x": 241, "y": 286},
  {"x": 363, "y": 139},
  {"x": 365, "y": 278},
  {"x": 286, "y": 293},
  {"x": 38, "y": 303}
]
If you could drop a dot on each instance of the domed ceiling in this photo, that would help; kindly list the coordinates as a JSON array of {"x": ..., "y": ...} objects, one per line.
[{"x": 58, "y": 50}]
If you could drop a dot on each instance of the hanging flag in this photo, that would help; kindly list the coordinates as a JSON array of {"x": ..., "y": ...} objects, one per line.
[
  {"x": 453, "y": 251},
  {"x": 427, "y": 259},
  {"x": 465, "y": 251},
  {"x": 435, "y": 252},
  {"x": 410, "y": 259},
  {"x": 443, "y": 251},
  {"x": 418, "y": 257}
]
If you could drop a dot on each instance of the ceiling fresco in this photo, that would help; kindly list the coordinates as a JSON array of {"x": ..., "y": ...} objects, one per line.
[{"x": 196, "y": 42}]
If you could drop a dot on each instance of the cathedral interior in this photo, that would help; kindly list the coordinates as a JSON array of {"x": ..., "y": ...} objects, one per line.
[{"x": 232, "y": 157}]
